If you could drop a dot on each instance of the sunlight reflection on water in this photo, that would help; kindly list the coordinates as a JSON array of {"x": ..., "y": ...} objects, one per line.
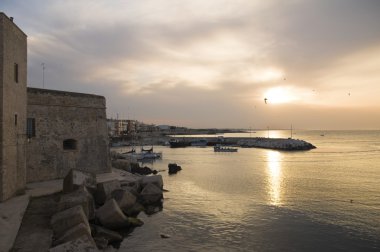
[
  {"x": 275, "y": 177},
  {"x": 266, "y": 200}
]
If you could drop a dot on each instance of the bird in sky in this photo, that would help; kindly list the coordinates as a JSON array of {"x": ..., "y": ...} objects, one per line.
[{"x": 265, "y": 100}]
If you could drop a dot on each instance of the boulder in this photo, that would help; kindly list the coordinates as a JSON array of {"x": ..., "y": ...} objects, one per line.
[
  {"x": 79, "y": 197},
  {"x": 135, "y": 222},
  {"x": 174, "y": 168},
  {"x": 124, "y": 199},
  {"x": 69, "y": 218},
  {"x": 101, "y": 242},
  {"x": 75, "y": 233},
  {"x": 135, "y": 209},
  {"x": 155, "y": 179},
  {"x": 153, "y": 209},
  {"x": 142, "y": 170},
  {"x": 76, "y": 178},
  {"x": 132, "y": 186},
  {"x": 151, "y": 194},
  {"x": 104, "y": 190},
  {"x": 109, "y": 235},
  {"x": 111, "y": 216},
  {"x": 122, "y": 164},
  {"x": 81, "y": 244}
]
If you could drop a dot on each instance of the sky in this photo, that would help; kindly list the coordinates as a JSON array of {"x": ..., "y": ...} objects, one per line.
[{"x": 313, "y": 64}]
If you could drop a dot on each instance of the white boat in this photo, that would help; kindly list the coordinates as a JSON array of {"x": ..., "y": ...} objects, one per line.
[
  {"x": 143, "y": 155},
  {"x": 219, "y": 148}
]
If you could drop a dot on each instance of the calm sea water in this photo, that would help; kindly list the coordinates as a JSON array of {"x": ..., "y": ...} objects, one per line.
[{"x": 326, "y": 199}]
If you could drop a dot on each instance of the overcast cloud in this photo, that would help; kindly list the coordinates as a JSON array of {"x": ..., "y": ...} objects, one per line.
[{"x": 211, "y": 63}]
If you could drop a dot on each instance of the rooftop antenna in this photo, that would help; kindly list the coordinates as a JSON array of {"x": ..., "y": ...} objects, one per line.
[{"x": 43, "y": 74}]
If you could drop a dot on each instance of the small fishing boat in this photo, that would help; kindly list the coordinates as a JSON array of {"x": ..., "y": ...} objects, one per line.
[
  {"x": 219, "y": 148},
  {"x": 175, "y": 143},
  {"x": 143, "y": 155}
]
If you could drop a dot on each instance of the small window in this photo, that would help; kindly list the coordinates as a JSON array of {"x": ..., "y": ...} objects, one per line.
[
  {"x": 70, "y": 144},
  {"x": 15, "y": 119},
  {"x": 16, "y": 72},
  {"x": 31, "y": 127}
]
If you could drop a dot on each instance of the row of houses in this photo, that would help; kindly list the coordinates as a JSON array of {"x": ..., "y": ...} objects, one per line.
[{"x": 122, "y": 127}]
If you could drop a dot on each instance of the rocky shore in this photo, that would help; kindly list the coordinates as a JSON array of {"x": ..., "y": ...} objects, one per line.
[{"x": 89, "y": 214}]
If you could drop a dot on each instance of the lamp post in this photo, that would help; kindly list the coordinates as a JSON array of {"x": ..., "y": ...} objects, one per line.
[{"x": 43, "y": 74}]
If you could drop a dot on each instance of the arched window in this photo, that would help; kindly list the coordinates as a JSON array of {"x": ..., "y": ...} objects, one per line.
[{"x": 70, "y": 144}]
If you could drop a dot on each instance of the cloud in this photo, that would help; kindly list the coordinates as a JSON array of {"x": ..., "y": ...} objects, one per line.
[{"x": 187, "y": 61}]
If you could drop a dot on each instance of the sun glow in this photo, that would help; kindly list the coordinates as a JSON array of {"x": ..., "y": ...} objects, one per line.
[{"x": 279, "y": 95}]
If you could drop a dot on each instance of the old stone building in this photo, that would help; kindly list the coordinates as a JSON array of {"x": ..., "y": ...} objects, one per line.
[
  {"x": 65, "y": 130},
  {"x": 43, "y": 133},
  {"x": 13, "y": 58}
]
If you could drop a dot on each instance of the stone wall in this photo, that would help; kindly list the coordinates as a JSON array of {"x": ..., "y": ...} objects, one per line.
[
  {"x": 13, "y": 55},
  {"x": 70, "y": 132}
]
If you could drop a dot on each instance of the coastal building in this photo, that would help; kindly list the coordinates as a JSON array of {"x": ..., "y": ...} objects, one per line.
[
  {"x": 121, "y": 127},
  {"x": 43, "y": 133},
  {"x": 13, "y": 67},
  {"x": 65, "y": 130}
]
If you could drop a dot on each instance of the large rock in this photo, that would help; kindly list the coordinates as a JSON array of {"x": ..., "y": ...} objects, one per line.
[
  {"x": 111, "y": 216},
  {"x": 135, "y": 209},
  {"x": 79, "y": 197},
  {"x": 151, "y": 194},
  {"x": 109, "y": 235},
  {"x": 83, "y": 243},
  {"x": 69, "y": 218},
  {"x": 76, "y": 178},
  {"x": 122, "y": 164},
  {"x": 174, "y": 168},
  {"x": 132, "y": 186},
  {"x": 104, "y": 190},
  {"x": 124, "y": 199},
  {"x": 156, "y": 179},
  {"x": 75, "y": 233}
]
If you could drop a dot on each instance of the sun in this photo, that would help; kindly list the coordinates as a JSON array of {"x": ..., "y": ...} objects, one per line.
[{"x": 279, "y": 95}]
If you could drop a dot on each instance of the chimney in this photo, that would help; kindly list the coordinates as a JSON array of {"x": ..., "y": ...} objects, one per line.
[{"x": 11, "y": 18}]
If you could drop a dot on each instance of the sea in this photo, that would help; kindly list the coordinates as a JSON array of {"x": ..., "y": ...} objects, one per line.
[{"x": 325, "y": 199}]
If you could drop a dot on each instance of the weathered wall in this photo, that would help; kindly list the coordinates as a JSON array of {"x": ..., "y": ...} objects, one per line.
[
  {"x": 64, "y": 115},
  {"x": 13, "y": 50}
]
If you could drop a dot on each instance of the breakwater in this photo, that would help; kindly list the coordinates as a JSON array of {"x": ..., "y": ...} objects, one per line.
[{"x": 288, "y": 144}]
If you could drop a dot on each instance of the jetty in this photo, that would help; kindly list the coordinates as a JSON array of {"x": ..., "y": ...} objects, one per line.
[{"x": 286, "y": 144}]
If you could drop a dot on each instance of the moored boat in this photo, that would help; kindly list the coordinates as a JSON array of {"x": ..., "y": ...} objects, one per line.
[
  {"x": 175, "y": 143},
  {"x": 219, "y": 148}
]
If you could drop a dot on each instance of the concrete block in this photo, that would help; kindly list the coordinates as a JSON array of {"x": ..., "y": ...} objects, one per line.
[
  {"x": 151, "y": 194},
  {"x": 69, "y": 218},
  {"x": 124, "y": 199},
  {"x": 76, "y": 178},
  {"x": 111, "y": 216},
  {"x": 155, "y": 179},
  {"x": 79, "y": 197},
  {"x": 75, "y": 233},
  {"x": 81, "y": 244},
  {"x": 109, "y": 235},
  {"x": 104, "y": 190}
]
